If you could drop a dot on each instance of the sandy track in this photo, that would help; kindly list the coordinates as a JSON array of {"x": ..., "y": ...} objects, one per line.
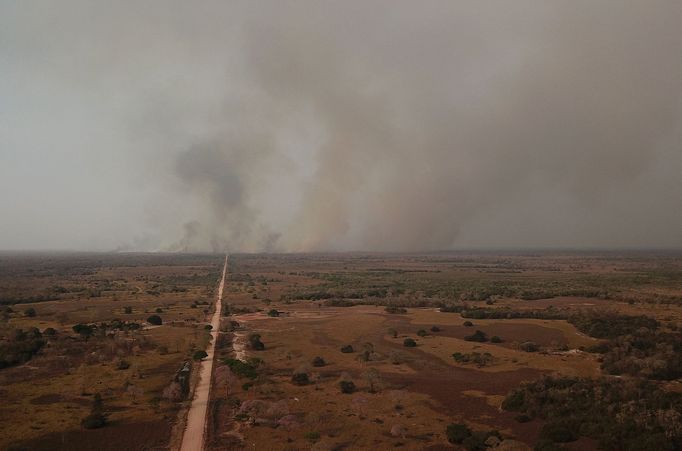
[{"x": 193, "y": 437}]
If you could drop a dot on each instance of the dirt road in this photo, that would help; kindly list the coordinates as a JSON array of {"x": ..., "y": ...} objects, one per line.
[{"x": 193, "y": 437}]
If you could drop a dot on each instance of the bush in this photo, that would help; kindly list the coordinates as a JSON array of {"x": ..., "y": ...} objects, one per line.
[
  {"x": 244, "y": 369},
  {"x": 529, "y": 346},
  {"x": 468, "y": 324},
  {"x": 514, "y": 402},
  {"x": 30, "y": 312},
  {"x": 273, "y": 313},
  {"x": 435, "y": 329},
  {"x": 422, "y": 333},
  {"x": 457, "y": 432},
  {"x": 159, "y": 310},
  {"x": 21, "y": 347},
  {"x": 547, "y": 445},
  {"x": 476, "y": 441},
  {"x": 478, "y": 336},
  {"x": 559, "y": 433},
  {"x": 50, "y": 332},
  {"x": 96, "y": 418},
  {"x": 255, "y": 343},
  {"x": 347, "y": 349},
  {"x": 312, "y": 436},
  {"x": 122, "y": 365},
  {"x": 409, "y": 343},
  {"x": 394, "y": 309},
  {"x": 84, "y": 330},
  {"x": 155, "y": 320},
  {"x": 318, "y": 362},
  {"x": 128, "y": 310},
  {"x": 199, "y": 355},
  {"x": 495, "y": 339},
  {"x": 300, "y": 379},
  {"x": 480, "y": 359},
  {"x": 347, "y": 387},
  {"x": 94, "y": 421}
]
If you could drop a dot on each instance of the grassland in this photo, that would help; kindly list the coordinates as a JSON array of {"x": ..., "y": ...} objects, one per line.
[
  {"x": 347, "y": 351},
  {"x": 46, "y": 398},
  {"x": 406, "y": 397}
]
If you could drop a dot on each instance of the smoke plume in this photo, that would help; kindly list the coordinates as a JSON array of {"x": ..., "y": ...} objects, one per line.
[{"x": 362, "y": 125}]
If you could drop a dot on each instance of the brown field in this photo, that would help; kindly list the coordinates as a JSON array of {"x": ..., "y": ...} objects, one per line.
[
  {"x": 405, "y": 396},
  {"x": 427, "y": 389},
  {"x": 45, "y": 399}
]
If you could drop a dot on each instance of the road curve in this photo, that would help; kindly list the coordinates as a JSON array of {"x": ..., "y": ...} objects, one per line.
[{"x": 193, "y": 437}]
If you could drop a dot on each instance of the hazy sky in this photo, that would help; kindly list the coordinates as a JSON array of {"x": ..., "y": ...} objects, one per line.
[{"x": 346, "y": 125}]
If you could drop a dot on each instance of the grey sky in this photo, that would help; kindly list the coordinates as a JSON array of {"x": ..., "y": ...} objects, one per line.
[{"x": 362, "y": 125}]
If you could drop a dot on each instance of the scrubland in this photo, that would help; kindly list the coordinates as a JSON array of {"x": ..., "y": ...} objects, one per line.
[
  {"x": 544, "y": 350},
  {"x": 451, "y": 351},
  {"x": 88, "y": 334}
]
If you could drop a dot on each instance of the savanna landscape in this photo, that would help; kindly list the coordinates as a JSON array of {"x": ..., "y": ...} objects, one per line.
[
  {"x": 453, "y": 350},
  {"x": 317, "y": 225}
]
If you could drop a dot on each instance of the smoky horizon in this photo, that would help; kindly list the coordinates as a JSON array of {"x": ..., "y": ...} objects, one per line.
[{"x": 301, "y": 126}]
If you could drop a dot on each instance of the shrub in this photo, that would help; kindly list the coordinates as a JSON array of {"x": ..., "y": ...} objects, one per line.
[
  {"x": 255, "y": 343},
  {"x": 300, "y": 379},
  {"x": 392, "y": 332},
  {"x": 21, "y": 347},
  {"x": 409, "y": 343},
  {"x": 50, "y": 332},
  {"x": 476, "y": 441},
  {"x": 394, "y": 309},
  {"x": 96, "y": 418},
  {"x": 422, "y": 333},
  {"x": 347, "y": 387},
  {"x": 547, "y": 445},
  {"x": 122, "y": 365},
  {"x": 347, "y": 349},
  {"x": 318, "y": 362},
  {"x": 558, "y": 432},
  {"x": 159, "y": 310},
  {"x": 480, "y": 359},
  {"x": 199, "y": 355},
  {"x": 495, "y": 339},
  {"x": 30, "y": 312},
  {"x": 457, "y": 432},
  {"x": 84, "y": 330},
  {"x": 273, "y": 313},
  {"x": 127, "y": 309},
  {"x": 94, "y": 421},
  {"x": 244, "y": 369},
  {"x": 155, "y": 320},
  {"x": 514, "y": 401},
  {"x": 478, "y": 336},
  {"x": 468, "y": 324},
  {"x": 435, "y": 329},
  {"x": 529, "y": 346},
  {"x": 312, "y": 436}
]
